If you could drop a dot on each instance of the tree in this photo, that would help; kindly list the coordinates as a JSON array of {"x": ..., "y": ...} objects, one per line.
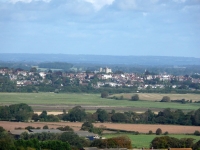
[
  {"x": 119, "y": 117},
  {"x": 66, "y": 128},
  {"x": 77, "y": 114},
  {"x": 165, "y": 99},
  {"x": 158, "y": 131},
  {"x": 196, "y": 146},
  {"x": 5, "y": 113},
  {"x": 43, "y": 115},
  {"x": 102, "y": 115},
  {"x": 104, "y": 94},
  {"x": 197, "y": 133},
  {"x": 72, "y": 138},
  {"x": 88, "y": 126},
  {"x": 150, "y": 132},
  {"x": 35, "y": 117},
  {"x": 115, "y": 142},
  {"x": 135, "y": 97},
  {"x": 165, "y": 142},
  {"x": 33, "y": 69},
  {"x": 45, "y": 127},
  {"x": 196, "y": 118},
  {"x": 21, "y": 112}
]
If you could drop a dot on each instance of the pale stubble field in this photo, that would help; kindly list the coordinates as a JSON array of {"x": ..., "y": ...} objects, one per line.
[{"x": 141, "y": 128}]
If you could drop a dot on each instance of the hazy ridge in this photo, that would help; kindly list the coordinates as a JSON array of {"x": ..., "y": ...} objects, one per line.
[{"x": 100, "y": 59}]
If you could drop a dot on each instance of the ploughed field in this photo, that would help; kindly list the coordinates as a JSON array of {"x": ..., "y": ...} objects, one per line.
[
  {"x": 141, "y": 128},
  {"x": 91, "y": 102}
]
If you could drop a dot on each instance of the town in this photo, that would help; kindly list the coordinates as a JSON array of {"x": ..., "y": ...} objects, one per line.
[{"x": 97, "y": 79}]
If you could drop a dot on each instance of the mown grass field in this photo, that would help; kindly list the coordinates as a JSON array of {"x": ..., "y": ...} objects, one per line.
[
  {"x": 158, "y": 96},
  {"x": 144, "y": 140},
  {"x": 96, "y": 100}
]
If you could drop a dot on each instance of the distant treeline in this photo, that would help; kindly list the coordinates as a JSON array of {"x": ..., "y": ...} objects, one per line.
[
  {"x": 56, "y": 65},
  {"x": 128, "y": 68},
  {"x": 23, "y": 112}
]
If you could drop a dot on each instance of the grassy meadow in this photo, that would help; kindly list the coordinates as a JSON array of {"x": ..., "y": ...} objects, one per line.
[
  {"x": 147, "y": 100},
  {"x": 159, "y": 96},
  {"x": 144, "y": 140}
]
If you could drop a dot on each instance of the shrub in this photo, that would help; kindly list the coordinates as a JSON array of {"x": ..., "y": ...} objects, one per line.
[
  {"x": 2, "y": 129},
  {"x": 46, "y": 127},
  {"x": 165, "y": 99},
  {"x": 87, "y": 126},
  {"x": 135, "y": 97},
  {"x": 104, "y": 94},
  {"x": 166, "y": 133},
  {"x": 158, "y": 131},
  {"x": 196, "y": 133},
  {"x": 150, "y": 132},
  {"x": 29, "y": 127}
]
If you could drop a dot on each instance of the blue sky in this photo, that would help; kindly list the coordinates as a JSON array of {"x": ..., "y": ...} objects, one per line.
[{"x": 101, "y": 27}]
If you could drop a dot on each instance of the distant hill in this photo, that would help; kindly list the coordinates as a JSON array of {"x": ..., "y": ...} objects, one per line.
[{"x": 101, "y": 59}]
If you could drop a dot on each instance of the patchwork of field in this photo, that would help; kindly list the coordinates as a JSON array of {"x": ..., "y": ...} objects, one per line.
[
  {"x": 141, "y": 128},
  {"x": 58, "y": 102}
]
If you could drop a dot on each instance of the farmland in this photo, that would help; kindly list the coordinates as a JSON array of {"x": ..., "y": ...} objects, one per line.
[
  {"x": 159, "y": 96},
  {"x": 58, "y": 102},
  {"x": 141, "y": 140},
  {"x": 144, "y": 140},
  {"x": 141, "y": 128}
]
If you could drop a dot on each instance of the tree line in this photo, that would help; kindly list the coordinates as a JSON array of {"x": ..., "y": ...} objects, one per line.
[
  {"x": 171, "y": 142},
  {"x": 23, "y": 112}
]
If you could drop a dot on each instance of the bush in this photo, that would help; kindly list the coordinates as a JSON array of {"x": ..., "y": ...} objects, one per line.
[
  {"x": 165, "y": 99},
  {"x": 197, "y": 133},
  {"x": 2, "y": 129},
  {"x": 196, "y": 146},
  {"x": 150, "y": 132},
  {"x": 29, "y": 127},
  {"x": 158, "y": 131},
  {"x": 135, "y": 97},
  {"x": 46, "y": 127},
  {"x": 104, "y": 94},
  {"x": 87, "y": 126},
  {"x": 166, "y": 133},
  {"x": 66, "y": 128}
]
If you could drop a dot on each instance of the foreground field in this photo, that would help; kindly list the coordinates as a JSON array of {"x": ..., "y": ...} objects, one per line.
[
  {"x": 141, "y": 128},
  {"x": 144, "y": 140},
  {"x": 58, "y": 102}
]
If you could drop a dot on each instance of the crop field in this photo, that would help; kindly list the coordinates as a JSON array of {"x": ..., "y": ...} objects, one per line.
[
  {"x": 144, "y": 140},
  {"x": 141, "y": 128},
  {"x": 158, "y": 96},
  {"x": 145, "y": 128},
  {"x": 138, "y": 141},
  {"x": 94, "y": 101}
]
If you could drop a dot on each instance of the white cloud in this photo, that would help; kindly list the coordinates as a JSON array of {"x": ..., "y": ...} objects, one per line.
[{"x": 98, "y": 4}]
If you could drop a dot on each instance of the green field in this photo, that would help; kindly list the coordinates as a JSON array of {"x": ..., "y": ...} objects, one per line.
[
  {"x": 143, "y": 140},
  {"x": 158, "y": 96},
  {"x": 89, "y": 99}
]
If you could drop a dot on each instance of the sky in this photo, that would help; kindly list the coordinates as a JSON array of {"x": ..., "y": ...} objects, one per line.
[{"x": 101, "y": 27}]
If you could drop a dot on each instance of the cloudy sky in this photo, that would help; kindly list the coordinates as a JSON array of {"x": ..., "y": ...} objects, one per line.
[{"x": 101, "y": 27}]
